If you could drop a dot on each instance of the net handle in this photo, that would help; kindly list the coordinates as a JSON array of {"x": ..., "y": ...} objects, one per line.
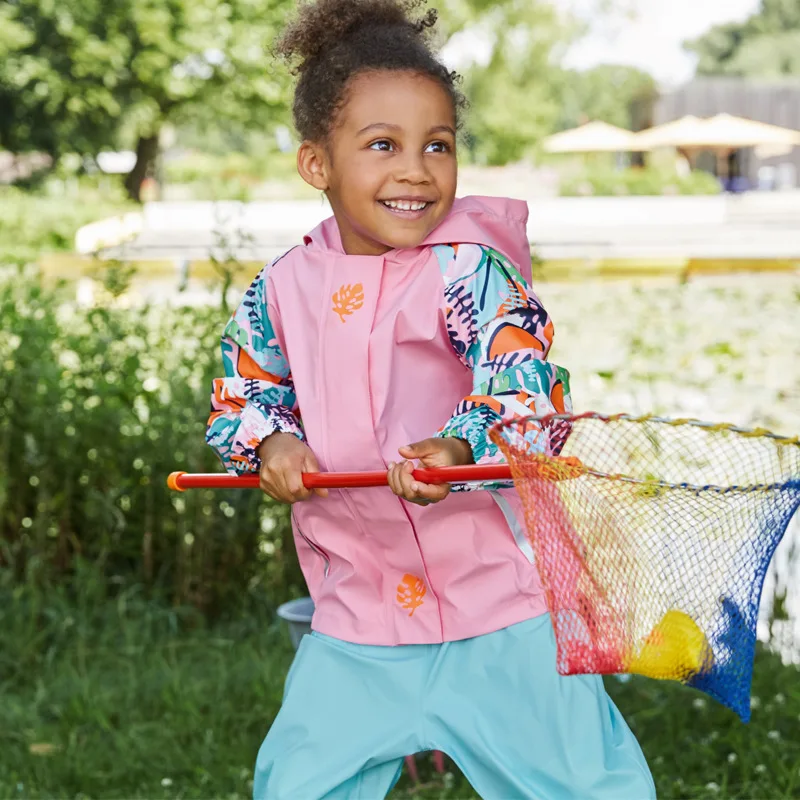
[{"x": 181, "y": 481}]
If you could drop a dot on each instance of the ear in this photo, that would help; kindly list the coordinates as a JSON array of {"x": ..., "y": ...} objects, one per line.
[{"x": 312, "y": 165}]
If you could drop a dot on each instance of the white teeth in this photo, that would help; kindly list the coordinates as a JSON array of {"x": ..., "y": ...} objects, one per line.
[{"x": 405, "y": 205}]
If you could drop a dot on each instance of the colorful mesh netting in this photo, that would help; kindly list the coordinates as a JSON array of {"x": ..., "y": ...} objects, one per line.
[{"x": 653, "y": 538}]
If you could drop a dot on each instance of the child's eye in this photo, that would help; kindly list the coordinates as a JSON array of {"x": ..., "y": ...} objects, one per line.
[
  {"x": 438, "y": 147},
  {"x": 383, "y": 145}
]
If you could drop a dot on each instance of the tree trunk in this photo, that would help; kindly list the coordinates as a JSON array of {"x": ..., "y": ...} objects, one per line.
[{"x": 146, "y": 154}]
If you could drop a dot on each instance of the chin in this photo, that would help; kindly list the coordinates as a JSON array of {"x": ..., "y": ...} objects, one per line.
[
  {"x": 406, "y": 241},
  {"x": 407, "y": 237}
]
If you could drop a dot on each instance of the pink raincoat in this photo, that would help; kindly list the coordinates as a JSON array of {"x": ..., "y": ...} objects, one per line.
[{"x": 375, "y": 352}]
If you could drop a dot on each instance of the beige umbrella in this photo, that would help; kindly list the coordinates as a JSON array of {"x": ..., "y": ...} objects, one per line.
[
  {"x": 594, "y": 137},
  {"x": 727, "y": 131},
  {"x": 671, "y": 134},
  {"x": 772, "y": 150},
  {"x": 722, "y": 132}
]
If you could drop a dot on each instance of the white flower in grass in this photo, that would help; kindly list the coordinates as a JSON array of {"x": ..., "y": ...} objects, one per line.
[
  {"x": 699, "y": 703},
  {"x": 774, "y": 735},
  {"x": 712, "y": 787},
  {"x": 166, "y": 782},
  {"x": 760, "y": 769},
  {"x": 755, "y": 702},
  {"x": 780, "y": 698},
  {"x": 732, "y": 758}
]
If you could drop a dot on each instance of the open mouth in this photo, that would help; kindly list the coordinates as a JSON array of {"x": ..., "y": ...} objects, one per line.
[{"x": 407, "y": 208}]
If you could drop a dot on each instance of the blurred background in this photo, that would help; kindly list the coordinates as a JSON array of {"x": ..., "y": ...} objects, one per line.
[{"x": 147, "y": 172}]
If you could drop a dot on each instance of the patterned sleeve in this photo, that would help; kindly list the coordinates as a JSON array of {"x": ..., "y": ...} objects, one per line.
[
  {"x": 501, "y": 332},
  {"x": 256, "y": 397}
]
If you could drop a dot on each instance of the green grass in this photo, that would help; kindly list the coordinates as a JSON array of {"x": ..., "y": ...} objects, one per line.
[{"x": 127, "y": 698}]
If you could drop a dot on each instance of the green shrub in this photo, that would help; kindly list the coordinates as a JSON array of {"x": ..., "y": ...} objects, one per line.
[
  {"x": 234, "y": 176},
  {"x": 32, "y": 224},
  {"x": 699, "y": 182},
  {"x": 606, "y": 181},
  {"x": 646, "y": 182},
  {"x": 198, "y": 167},
  {"x": 98, "y": 407}
]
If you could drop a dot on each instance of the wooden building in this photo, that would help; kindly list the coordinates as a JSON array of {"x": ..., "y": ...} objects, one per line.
[{"x": 773, "y": 101}]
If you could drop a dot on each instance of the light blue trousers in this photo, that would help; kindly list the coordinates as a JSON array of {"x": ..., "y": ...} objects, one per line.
[{"x": 495, "y": 704}]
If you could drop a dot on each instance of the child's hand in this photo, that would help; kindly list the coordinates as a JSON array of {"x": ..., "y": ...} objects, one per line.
[
  {"x": 283, "y": 460},
  {"x": 447, "y": 452}
]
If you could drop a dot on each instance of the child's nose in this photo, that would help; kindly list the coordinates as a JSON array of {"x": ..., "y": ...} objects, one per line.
[{"x": 411, "y": 168}]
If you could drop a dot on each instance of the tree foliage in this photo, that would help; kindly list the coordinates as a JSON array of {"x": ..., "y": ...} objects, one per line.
[
  {"x": 77, "y": 74},
  {"x": 80, "y": 76},
  {"x": 612, "y": 93},
  {"x": 522, "y": 94},
  {"x": 511, "y": 96},
  {"x": 766, "y": 45}
]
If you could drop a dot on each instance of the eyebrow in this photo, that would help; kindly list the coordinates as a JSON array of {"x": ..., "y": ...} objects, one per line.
[{"x": 391, "y": 127}]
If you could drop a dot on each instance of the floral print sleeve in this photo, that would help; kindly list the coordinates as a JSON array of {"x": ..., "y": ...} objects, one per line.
[
  {"x": 256, "y": 397},
  {"x": 501, "y": 332}
]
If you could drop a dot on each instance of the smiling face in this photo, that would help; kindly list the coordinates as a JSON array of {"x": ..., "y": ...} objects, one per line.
[{"x": 388, "y": 166}]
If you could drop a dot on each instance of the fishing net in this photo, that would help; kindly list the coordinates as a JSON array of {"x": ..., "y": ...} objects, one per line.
[{"x": 653, "y": 538}]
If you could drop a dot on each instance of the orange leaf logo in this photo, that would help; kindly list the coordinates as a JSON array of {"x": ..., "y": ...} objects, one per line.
[
  {"x": 348, "y": 299},
  {"x": 410, "y": 593}
]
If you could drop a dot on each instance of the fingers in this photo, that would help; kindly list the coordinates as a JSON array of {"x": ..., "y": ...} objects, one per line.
[
  {"x": 421, "y": 450},
  {"x": 283, "y": 482},
  {"x": 311, "y": 466},
  {"x": 403, "y": 484},
  {"x": 281, "y": 476},
  {"x": 439, "y": 452}
]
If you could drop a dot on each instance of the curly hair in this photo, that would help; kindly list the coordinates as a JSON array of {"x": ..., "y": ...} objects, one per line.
[{"x": 331, "y": 41}]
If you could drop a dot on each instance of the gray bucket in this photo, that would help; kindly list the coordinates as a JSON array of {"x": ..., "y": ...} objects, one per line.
[{"x": 297, "y": 613}]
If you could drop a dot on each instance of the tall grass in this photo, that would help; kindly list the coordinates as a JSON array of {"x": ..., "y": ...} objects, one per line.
[
  {"x": 107, "y": 694},
  {"x": 99, "y": 405}
]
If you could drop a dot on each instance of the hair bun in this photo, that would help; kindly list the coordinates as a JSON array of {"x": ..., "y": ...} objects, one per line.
[{"x": 323, "y": 24}]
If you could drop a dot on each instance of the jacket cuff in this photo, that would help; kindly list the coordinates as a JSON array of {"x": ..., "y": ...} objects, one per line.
[
  {"x": 473, "y": 426},
  {"x": 256, "y": 423}
]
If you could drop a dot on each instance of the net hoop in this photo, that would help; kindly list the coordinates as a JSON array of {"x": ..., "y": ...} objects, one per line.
[
  {"x": 644, "y": 573},
  {"x": 748, "y": 433}
]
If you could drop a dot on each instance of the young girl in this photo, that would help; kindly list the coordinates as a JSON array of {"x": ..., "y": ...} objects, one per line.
[{"x": 403, "y": 329}]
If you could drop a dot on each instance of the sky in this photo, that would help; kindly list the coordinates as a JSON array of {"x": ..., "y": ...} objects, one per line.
[
  {"x": 653, "y": 40},
  {"x": 650, "y": 36}
]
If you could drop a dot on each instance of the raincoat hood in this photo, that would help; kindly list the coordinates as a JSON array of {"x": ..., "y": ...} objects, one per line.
[{"x": 496, "y": 222}]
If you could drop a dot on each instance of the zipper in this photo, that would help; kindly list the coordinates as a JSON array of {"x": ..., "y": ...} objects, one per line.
[{"x": 313, "y": 545}]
